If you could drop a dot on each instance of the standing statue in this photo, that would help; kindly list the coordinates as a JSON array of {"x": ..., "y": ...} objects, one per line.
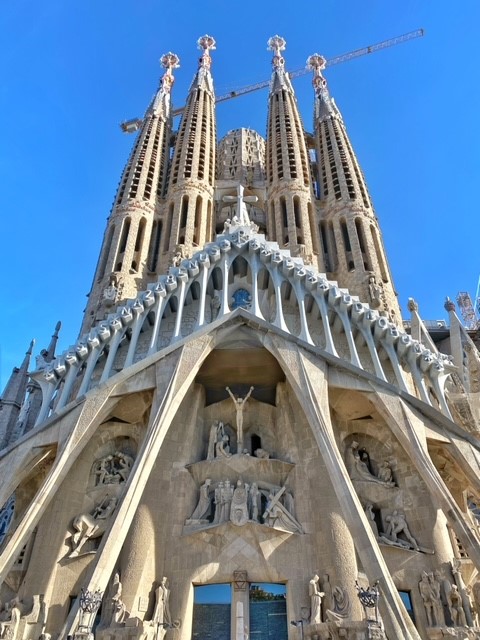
[
  {"x": 204, "y": 507},
  {"x": 476, "y": 599},
  {"x": 119, "y": 610},
  {"x": 456, "y": 608},
  {"x": 239, "y": 508},
  {"x": 161, "y": 615},
  {"x": 426, "y": 593},
  {"x": 215, "y": 429},
  {"x": 226, "y": 501},
  {"x": 239, "y": 406},
  {"x": 218, "y": 503},
  {"x": 255, "y": 502},
  {"x": 315, "y": 600},
  {"x": 436, "y": 590}
]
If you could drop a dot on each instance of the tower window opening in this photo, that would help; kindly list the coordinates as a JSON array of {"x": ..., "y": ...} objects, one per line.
[
  {"x": 125, "y": 232},
  {"x": 140, "y": 234},
  {"x": 362, "y": 244},
  {"x": 347, "y": 245},
  {"x": 283, "y": 206},
  {"x": 169, "y": 227},
  {"x": 379, "y": 252},
  {"x": 296, "y": 212},
  {"x": 324, "y": 242},
  {"x": 154, "y": 245},
  {"x": 184, "y": 212},
  {"x": 198, "y": 215},
  {"x": 106, "y": 252}
]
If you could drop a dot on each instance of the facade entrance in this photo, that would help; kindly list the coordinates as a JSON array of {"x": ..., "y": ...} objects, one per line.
[{"x": 266, "y": 618}]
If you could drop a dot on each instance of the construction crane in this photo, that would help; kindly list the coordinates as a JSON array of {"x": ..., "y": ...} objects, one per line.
[{"x": 130, "y": 126}]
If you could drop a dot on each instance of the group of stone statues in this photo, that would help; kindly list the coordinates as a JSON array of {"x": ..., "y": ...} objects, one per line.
[
  {"x": 440, "y": 596},
  {"x": 16, "y": 618},
  {"x": 327, "y": 603},
  {"x": 113, "y": 469},
  {"x": 396, "y": 526},
  {"x": 241, "y": 503},
  {"x": 360, "y": 467}
]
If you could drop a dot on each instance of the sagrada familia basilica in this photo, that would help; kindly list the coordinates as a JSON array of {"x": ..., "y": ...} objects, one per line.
[{"x": 246, "y": 441}]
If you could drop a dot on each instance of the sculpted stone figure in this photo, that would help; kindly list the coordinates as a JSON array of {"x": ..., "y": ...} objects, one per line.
[
  {"x": 255, "y": 502},
  {"x": 91, "y": 525},
  {"x": 223, "y": 447},
  {"x": 113, "y": 469},
  {"x": 239, "y": 507},
  {"x": 203, "y": 508},
  {"x": 385, "y": 472},
  {"x": 456, "y": 608},
  {"x": 9, "y": 627},
  {"x": 261, "y": 453},
  {"x": 277, "y": 516},
  {"x": 213, "y": 437},
  {"x": 397, "y": 525},
  {"x": 359, "y": 469},
  {"x": 226, "y": 501},
  {"x": 341, "y": 605},
  {"x": 436, "y": 590},
  {"x": 315, "y": 600},
  {"x": 217, "y": 501},
  {"x": 119, "y": 610},
  {"x": 426, "y": 593},
  {"x": 239, "y": 407},
  {"x": 161, "y": 615}
]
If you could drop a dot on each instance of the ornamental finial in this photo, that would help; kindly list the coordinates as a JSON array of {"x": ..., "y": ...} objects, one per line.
[
  {"x": 169, "y": 61},
  {"x": 277, "y": 44},
  {"x": 317, "y": 64},
  {"x": 207, "y": 43}
]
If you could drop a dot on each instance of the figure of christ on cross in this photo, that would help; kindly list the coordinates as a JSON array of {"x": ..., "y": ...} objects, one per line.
[{"x": 239, "y": 405}]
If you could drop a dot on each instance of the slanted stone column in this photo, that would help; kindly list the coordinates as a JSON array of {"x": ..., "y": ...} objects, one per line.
[{"x": 308, "y": 378}]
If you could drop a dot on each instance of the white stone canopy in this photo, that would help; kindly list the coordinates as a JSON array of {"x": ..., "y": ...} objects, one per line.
[{"x": 339, "y": 319}]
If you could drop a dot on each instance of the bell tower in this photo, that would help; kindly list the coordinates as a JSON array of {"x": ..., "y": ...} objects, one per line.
[
  {"x": 291, "y": 219},
  {"x": 130, "y": 252},
  {"x": 352, "y": 249},
  {"x": 192, "y": 174}
]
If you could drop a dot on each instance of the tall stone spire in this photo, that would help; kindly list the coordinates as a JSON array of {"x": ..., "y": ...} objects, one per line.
[
  {"x": 350, "y": 237},
  {"x": 129, "y": 257},
  {"x": 291, "y": 220},
  {"x": 192, "y": 174},
  {"x": 12, "y": 398}
]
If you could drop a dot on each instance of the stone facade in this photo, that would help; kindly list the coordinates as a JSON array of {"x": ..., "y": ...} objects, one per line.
[{"x": 243, "y": 420}]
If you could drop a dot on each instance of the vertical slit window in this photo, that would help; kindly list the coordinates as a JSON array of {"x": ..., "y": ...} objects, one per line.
[
  {"x": 169, "y": 227},
  {"x": 198, "y": 214},
  {"x": 379, "y": 252},
  {"x": 154, "y": 245},
  {"x": 106, "y": 252},
  {"x": 362, "y": 243}
]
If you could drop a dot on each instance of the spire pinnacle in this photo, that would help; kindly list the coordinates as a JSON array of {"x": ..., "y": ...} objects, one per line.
[
  {"x": 317, "y": 64},
  {"x": 277, "y": 44},
  {"x": 169, "y": 61},
  {"x": 207, "y": 44}
]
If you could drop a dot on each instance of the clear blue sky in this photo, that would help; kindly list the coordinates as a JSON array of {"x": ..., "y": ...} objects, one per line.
[{"x": 71, "y": 71}]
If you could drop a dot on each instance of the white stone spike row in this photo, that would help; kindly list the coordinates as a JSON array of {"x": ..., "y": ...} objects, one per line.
[{"x": 342, "y": 318}]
